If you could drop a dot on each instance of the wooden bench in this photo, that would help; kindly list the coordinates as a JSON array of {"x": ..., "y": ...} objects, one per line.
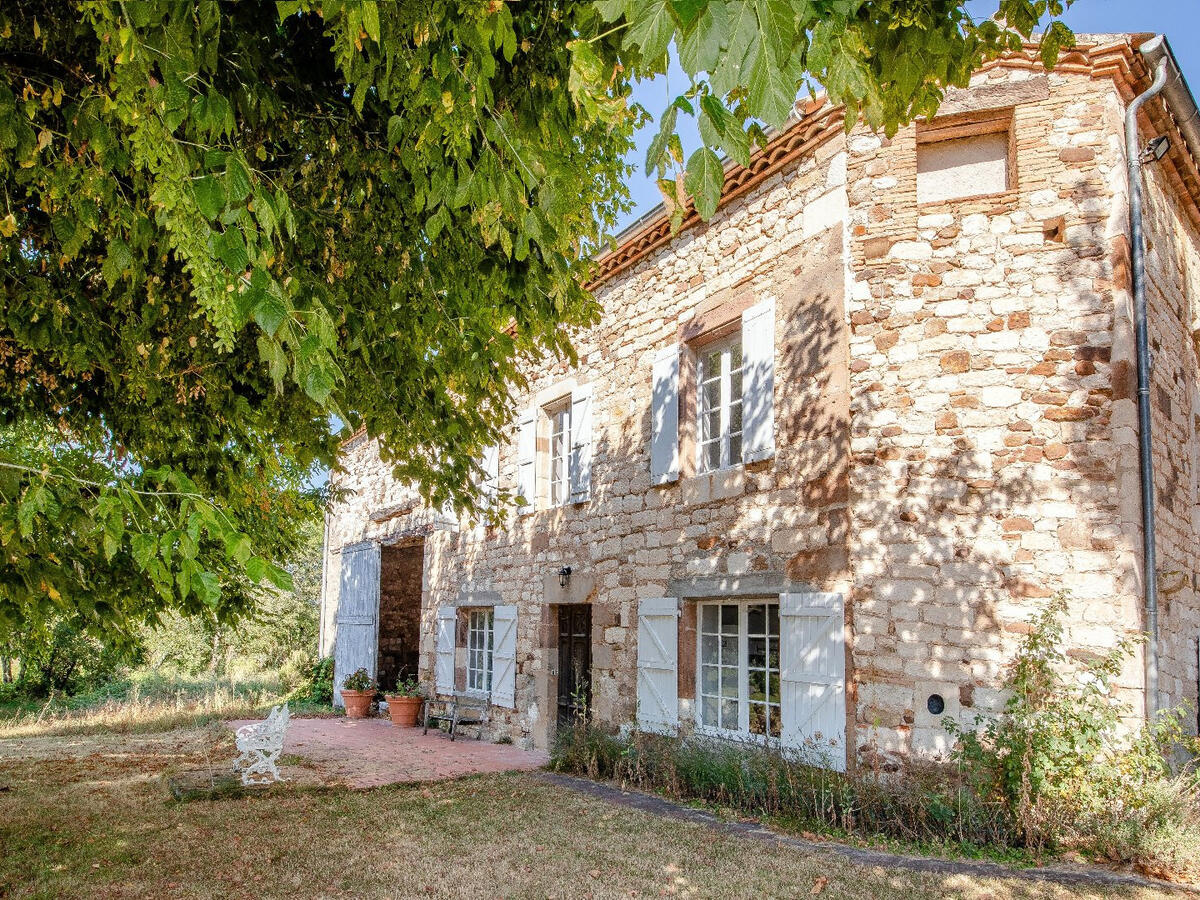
[
  {"x": 460, "y": 709},
  {"x": 259, "y": 746}
]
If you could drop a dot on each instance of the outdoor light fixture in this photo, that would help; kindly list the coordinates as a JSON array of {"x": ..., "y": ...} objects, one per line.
[
  {"x": 1156, "y": 148},
  {"x": 564, "y": 576}
]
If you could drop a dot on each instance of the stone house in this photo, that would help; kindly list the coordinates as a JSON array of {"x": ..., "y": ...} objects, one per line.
[{"x": 827, "y": 453}]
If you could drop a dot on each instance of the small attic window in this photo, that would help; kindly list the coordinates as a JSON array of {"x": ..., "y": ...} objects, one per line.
[{"x": 970, "y": 155}]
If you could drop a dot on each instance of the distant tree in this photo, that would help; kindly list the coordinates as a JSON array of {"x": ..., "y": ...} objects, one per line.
[{"x": 222, "y": 224}]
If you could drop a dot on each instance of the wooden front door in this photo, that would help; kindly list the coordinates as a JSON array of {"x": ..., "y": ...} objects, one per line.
[{"x": 574, "y": 662}]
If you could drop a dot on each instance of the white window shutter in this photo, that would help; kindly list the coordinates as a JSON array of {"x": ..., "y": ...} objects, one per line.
[
  {"x": 812, "y": 677},
  {"x": 491, "y": 477},
  {"x": 664, "y": 417},
  {"x": 658, "y": 665},
  {"x": 527, "y": 460},
  {"x": 758, "y": 384},
  {"x": 504, "y": 656},
  {"x": 581, "y": 443},
  {"x": 447, "y": 617}
]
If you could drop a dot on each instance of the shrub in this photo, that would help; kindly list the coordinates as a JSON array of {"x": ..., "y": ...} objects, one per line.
[{"x": 318, "y": 687}]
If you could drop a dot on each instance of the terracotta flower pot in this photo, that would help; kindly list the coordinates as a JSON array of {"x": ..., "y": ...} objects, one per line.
[
  {"x": 404, "y": 710},
  {"x": 358, "y": 703}
]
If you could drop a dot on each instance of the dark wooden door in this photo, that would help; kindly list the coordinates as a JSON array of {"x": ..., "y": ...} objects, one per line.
[{"x": 574, "y": 661}]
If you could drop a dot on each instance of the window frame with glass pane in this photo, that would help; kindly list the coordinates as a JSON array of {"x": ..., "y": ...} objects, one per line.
[
  {"x": 737, "y": 669},
  {"x": 719, "y": 386},
  {"x": 481, "y": 636},
  {"x": 558, "y": 416}
]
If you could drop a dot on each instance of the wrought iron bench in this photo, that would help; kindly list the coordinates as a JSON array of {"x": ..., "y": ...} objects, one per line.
[
  {"x": 460, "y": 709},
  {"x": 259, "y": 746}
]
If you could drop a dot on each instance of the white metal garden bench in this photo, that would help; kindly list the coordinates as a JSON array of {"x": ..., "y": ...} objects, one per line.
[{"x": 259, "y": 746}]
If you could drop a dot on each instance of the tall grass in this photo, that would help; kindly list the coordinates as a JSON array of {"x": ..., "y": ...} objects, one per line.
[
  {"x": 145, "y": 701},
  {"x": 925, "y": 806}
]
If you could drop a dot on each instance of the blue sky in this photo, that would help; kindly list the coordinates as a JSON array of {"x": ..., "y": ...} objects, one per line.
[{"x": 1179, "y": 20}]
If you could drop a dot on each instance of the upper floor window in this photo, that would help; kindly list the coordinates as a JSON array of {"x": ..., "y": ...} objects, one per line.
[
  {"x": 719, "y": 404},
  {"x": 969, "y": 155},
  {"x": 554, "y": 451},
  {"x": 480, "y": 638},
  {"x": 559, "y": 421}
]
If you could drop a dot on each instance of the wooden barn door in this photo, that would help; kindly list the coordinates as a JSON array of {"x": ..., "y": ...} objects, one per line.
[{"x": 357, "y": 637}]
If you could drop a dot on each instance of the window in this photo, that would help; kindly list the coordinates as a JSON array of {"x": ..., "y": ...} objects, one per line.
[
  {"x": 480, "y": 637},
  {"x": 739, "y": 668},
  {"x": 719, "y": 405},
  {"x": 965, "y": 156},
  {"x": 560, "y": 453}
]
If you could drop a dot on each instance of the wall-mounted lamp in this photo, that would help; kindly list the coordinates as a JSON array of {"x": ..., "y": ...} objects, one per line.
[
  {"x": 564, "y": 576},
  {"x": 1156, "y": 148}
]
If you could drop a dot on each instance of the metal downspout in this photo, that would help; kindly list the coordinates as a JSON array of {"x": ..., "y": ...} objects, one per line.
[{"x": 1137, "y": 251}]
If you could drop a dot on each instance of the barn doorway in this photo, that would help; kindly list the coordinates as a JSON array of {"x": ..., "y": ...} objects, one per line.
[{"x": 401, "y": 577}]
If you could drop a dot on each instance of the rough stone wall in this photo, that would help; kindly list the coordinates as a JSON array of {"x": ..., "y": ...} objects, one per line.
[
  {"x": 781, "y": 523},
  {"x": 990, "y": 351},
  {"x": 1173, "y": 299},
  {"x": 955, "y": 431}
]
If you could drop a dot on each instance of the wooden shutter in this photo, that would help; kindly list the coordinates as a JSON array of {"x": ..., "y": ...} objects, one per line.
[
  {"x": 527, "y": 461},
  {"x": 443, "y": 670},
  {"x": 504, "y": 656},
  {"x": 581, "y": 443},
  {"x": 658, "y": 665},
  {"x": 813, "y": 677},
  {"x": 758, "y": 382},
  {"x": 664, "y": 417},
  {"x": 357, "y": 637}
]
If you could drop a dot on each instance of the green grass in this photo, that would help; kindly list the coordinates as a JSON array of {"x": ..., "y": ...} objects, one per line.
[
  {"x": 148, "y": 701},
  {"x": 89, "y": 816}
]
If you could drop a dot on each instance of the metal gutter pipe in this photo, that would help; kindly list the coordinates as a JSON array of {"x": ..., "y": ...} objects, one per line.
[
  {"x": 1176, "y": 93},
  {"x": 1133, "y": 152}
]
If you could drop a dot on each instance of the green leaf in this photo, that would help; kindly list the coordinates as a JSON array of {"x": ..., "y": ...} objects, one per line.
[
  {"x": 230, "y": 248},
  {"x": 651, "y": 29},
  {"x": 700, "y": 46},
  {"x": 256, "y": 569},
  {"x": 279, "y": 577},
  {"x": 238, "y": 178},
  {"x": 319, "y": 384},
  {"x": 778, "y": 24},
  {"x": 210, "y": 196},
  {"x": 687, "y": 10},
  {"x": 270, "y": 312},
  {"x": 144, "y": 548},
  {"x": 772, "y": 91},
  {"x": 704, "y": 180},
  {"x": 395, "y": 131},
  {"x": 370, "y": 18},
  {"x": 741, "y": 50}
]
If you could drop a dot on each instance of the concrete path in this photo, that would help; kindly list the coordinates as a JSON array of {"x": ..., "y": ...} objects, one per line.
[{"x": 366, "y": 753}]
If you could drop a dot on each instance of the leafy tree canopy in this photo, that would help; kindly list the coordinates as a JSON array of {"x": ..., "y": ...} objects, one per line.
[{"x": 224, "y": 223}]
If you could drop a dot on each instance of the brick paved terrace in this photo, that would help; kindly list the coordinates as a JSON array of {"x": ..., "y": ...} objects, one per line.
[{"x": 366, "y": 753}]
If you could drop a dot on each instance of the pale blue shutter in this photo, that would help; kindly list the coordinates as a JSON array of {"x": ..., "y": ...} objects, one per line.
[
  {"x": 758, "y": 382},
  {"x": 812, "y": 677},
  {"x": 664, "y": 417}
]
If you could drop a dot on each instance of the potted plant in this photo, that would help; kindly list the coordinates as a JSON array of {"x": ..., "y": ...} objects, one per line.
[
  {"x": 404, "y": 704},
  {"x": 358, "y": 690}
]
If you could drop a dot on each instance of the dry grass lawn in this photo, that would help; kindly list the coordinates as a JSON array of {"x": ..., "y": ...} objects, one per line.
[{"x": 89, "y": 816}]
